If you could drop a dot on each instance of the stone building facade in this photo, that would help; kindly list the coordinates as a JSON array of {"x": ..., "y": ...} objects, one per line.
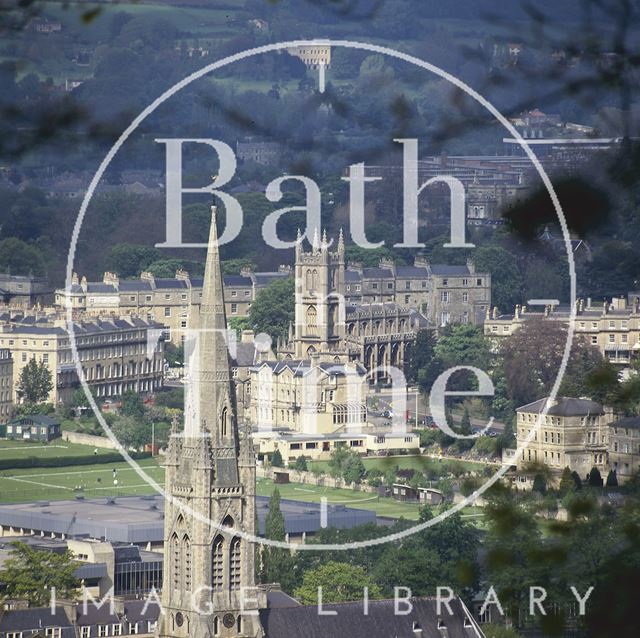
[
  {"x": 624, "y": 447},
  {"x": 170, "y": 301},
  {"x": 116, "y": 355},
  {"x": 611, "y": 327},
  {"x": 6, "y": 384}
]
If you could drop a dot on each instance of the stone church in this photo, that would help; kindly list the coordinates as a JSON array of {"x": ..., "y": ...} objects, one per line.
[{"x": 209, "y": 587}]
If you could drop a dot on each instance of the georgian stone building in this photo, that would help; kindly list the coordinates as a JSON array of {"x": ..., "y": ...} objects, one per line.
[
  {"x": 443, "y": 293},
  {"x": 170, "y": 301},
  {"x": 612, "y": 327},
  {"x": 6, "y": 384},
  {"x": 116, "y": 355},
  {"x": 624, "y": 447},
  {"x": 574, "y": 433}
]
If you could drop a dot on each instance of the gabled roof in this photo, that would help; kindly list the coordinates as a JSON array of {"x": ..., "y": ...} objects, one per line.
[
  {"x": 447, "y": 269},
  {"x": 409, "y": 272},
  {"x": 382, "y": 621},
  {"x": 565, "y": 406},
  {"x": 237, "y": 280},
  {"x": 631, "y": 422},
  {"x": 377, "y": 273}
]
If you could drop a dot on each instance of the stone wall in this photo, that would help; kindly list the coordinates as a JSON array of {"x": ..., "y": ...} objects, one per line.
[
  {"x": 88, "y": 439},
  {"x": 309, "y": 478}
]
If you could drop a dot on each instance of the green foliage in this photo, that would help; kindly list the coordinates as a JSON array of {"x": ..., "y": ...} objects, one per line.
[
  {"x": 35, "y": 383},
  {"x": 166, "y": 268},
  {"x": 66, "y": 461},
  {"x": 276, "y": 564},
  {"x": 539, "y": 484},
  {"x": 234, "y": 266},
  {"x": 577, "y": 481},
  {"x": 20, "y": 258},
  {"x": 129, "y": 260},
  {"x": 339, "y": 582},
  {"x": 423, "y": 367},
  {"x": 173, "y": 354},
  {"x": 506, "y": 279},
  {"x": 300, "y": 464},
  {"x": 173, "y": 399},
  {"x": 273, "y": 309},
  {"x": 612, "y": 479},
  {"x": 29, "y": 574},
  {"x": 347, "y": 465},
  {"x": 567, "y": 484},
  {"x": 276, "y": 459},
  {"x": 595, "y": 478},
  {"x": 132, "y": 405}
]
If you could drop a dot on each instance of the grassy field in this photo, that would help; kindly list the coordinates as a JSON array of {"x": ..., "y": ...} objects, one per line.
[
  {"x": 360, "y": 500},
  {"x": 57, "y": 448},
  {"x": 421, "y": 463},
  {"x": 58, "y": 483}
]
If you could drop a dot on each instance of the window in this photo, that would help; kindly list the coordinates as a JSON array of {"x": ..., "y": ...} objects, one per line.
[
  {"x": 234, "y": 293},
  {"x": 167, "y": 296},
  {"x": 234, "y": 308},
  {"x": 133, "y": 628},
  {"x": 147, "y": 297},
  {"x": 465, "y": 297},
  {"x": 594, "y": 340},
  {"x": 444, "y": 296},
  {"x": 54, "y": 632},
  {"x": 247, "y": 293},
  {"x": 152, "y": 626},
  {"x": 445, "y": 282},
  {"x": 407, "y": 285},
  {"x": 478, "y": 282},
  {"x": 85, "y": 632},
  {"x": 390, "y": 286},
  {"x": 612, "y": 324},
  {"x": 406, "y": 299},
  {"x": 465, "y": 282},
  {"x": 374, "y": 286},
  {"x": 217, "y": 571},
  {"x": 183, "y": 296},
  {"x": 24, "y": 357},
  {"x": 103, "y": 630},
  {"x": 612, "y": 338},
  {"x": 167, "y": 312},
  {"x": 116, "y": 630},
  {"x": 234, "y": 564}
]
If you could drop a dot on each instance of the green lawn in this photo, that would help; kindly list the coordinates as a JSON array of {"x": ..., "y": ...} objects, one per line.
[
  {"x": 360, "y": 500},
  {"x": 56, "y": 483},
  {"x": 56, "y": 448},
  {"x": 421, "y": 463}
]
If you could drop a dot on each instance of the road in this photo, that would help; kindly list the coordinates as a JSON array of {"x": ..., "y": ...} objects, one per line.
[{"x": 385, "y": 402}]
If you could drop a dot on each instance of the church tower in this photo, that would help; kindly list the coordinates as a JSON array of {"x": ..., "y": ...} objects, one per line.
[
  {"x": 209, "y": 573},
  {"x": 319, "y": 310}
]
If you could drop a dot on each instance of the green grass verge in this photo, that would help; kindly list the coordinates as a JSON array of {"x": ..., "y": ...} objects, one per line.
[{"x": 56, "y": 448}]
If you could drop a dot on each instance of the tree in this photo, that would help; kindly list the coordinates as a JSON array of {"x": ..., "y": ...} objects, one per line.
[
  {"x": 506, "y": 279},
  {"x": 612, "y": 479},
  {"x": 464, "y": 344},
  {"x": 19, "y": 258},
  {"x": 531, "y": 356},
  {"x": 301, "y": 464},
  {"x": 129, "y": 260},
  {"x": 576, "y": 480},
  {"x": 29, "y": 574},
  {"x": 567, "y": 484},
  {"x": 339, "y": 583},
  {"x": 539, "y": 484},
  {"x": 276, "y": 459},
  {"x": 276, "y": 565},
  {"x": 353, "y": 470},
  {"x": 273, "y": 309},
  {"x": 130, "y": 432},
  {"x": 132, "y": 405},
  {"x": 423, "y": 367},
  {"x": 595, "y": 478},
  {"x": 35, "y": 382}
]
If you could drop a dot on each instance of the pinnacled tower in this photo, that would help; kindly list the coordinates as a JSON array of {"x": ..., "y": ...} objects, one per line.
[
  {"x": 320, "y": 306},
  {"x": 209, "y": 575}
]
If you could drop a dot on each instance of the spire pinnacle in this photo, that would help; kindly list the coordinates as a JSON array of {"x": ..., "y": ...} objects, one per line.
[{"x": 315, "y": 244}]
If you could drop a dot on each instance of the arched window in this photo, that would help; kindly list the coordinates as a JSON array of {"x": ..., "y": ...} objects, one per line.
[
  {"x": 312, "y": 320},
  {"x": 186, "y": 559},
  {"x": 315, "y": 279},
  {"x": 223, "y": 423},
  {"x": 217, "y": 564},
  {"x": 309, "y": 280},
  {"x": 216, "y": 626},
  {"x": 175, "y": 562},
  {"x": 234, "y": 564}
]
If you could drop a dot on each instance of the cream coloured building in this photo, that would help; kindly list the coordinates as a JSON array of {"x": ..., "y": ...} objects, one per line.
[
  {"x": 313, "y": 55},
  {"x": 6, "y": 384},
  {"x": 309, "y": 396},
  {"x": 116, "y": 355},
  {"x": 612, "y": 327},
  {"x": 624, "y": 447},
  {"x": 574, "y": 433}
]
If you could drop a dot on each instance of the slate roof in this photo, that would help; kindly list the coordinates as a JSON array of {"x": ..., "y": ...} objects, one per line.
[
  {"x": 446, "y": 269},
  {"x": 632, "y": 422},
  {"x": 351, "y": 276},
  {"x": 31, "y": 619},
  {"x": 170, "y": 283},
  {"x": 132, "y": 285},
  {"x": 409, "y": 272},
  {"x": 565, "y": 406},
  {"x": 381, "y": 621},
  {"x": 95, "y": 286},
  {"x": 377, "y": 273},
  {"x": 37, "y": 419},
  {"x": 237, "y": 280}
]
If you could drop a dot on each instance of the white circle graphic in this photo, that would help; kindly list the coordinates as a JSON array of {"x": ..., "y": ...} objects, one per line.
[{"x": 364, "y": 47}]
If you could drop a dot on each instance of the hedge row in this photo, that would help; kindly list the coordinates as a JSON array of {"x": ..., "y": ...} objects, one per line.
[{"x": 64, "y": 461}]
